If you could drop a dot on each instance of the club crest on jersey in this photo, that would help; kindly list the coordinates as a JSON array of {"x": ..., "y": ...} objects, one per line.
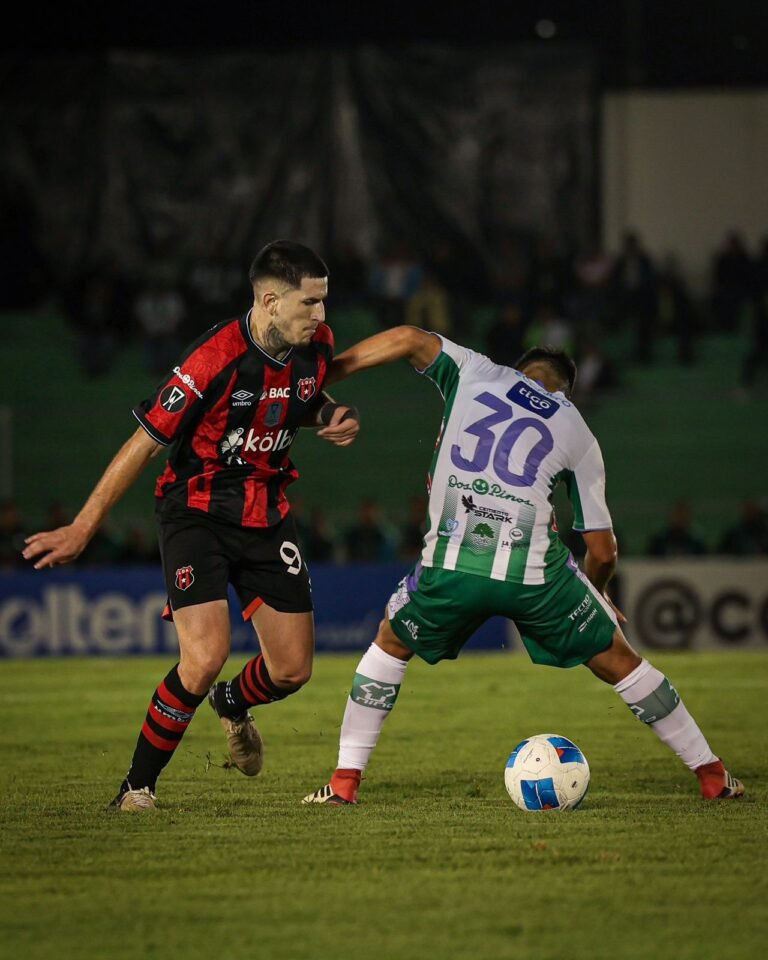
[
  {"x": 306, "y": 388},
  {"x": 185, "y": 577}
]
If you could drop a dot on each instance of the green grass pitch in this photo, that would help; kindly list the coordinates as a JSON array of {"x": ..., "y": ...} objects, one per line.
[{"x": 435, "y": 862}]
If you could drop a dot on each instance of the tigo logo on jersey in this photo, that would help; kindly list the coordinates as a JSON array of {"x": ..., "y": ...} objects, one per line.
[
  {"x": 306, "y": 388},
  {"x": 185, "y": 577},
  {"x": 532, "y": 400}
]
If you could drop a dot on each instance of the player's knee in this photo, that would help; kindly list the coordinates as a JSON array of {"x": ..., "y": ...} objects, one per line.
[
  {"x": 615, "y": 663},
  {"x": 201, "y": 669},
  {"x": 290, "y": 680},
  {"x": 389, "y": 643}
]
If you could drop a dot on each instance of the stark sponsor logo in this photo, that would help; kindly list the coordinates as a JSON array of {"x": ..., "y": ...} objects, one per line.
[
  {"x": 306, "y": 388},
  {"x": 185, "y": 577},
  {"x": 487, "y": 513}
]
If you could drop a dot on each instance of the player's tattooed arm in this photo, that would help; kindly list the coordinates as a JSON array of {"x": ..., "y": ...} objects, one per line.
[
  {"x": 418, "y": 346},
  {"x": 66, "y": 543}
]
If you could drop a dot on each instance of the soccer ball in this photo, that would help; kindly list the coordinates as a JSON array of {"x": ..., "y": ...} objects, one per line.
[{"x": 547, "y": 772}]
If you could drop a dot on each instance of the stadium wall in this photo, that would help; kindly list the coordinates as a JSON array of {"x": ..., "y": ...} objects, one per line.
[
  {"x": 682, "y": 169},
  {"x": 671, "y": 605}
]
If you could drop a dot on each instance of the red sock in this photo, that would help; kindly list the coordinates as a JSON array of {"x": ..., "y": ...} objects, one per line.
[
  {"x": 345, "y": 783},
  {"x": 711, "y": 779}
]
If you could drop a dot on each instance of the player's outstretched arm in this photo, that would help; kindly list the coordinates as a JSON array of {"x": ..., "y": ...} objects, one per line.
[
  {"x": 53, "y": 547},
  {"x": 411, "y": 343}
]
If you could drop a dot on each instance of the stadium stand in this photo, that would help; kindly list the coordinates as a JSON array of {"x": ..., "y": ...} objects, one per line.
[{"x": 671, "y": 432}]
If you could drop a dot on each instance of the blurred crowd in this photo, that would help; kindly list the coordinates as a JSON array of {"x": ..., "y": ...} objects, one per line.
[
  {"x": 528, "y": 289},
  {"x": 536, "y": 291},
  {"x": 373, "y": 537}
]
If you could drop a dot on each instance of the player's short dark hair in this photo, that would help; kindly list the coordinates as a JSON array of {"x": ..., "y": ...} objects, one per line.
[
  {"x": 287, "y": 261},
  {"x": 558, "y": 360}
]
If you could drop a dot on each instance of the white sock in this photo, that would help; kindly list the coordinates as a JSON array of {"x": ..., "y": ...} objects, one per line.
[
  {"x": 374, "y": 691},
  {"x": 653, "y": 699}
]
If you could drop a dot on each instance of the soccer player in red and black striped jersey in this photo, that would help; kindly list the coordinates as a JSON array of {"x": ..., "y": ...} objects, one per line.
[{"x": 228, "y": 413}]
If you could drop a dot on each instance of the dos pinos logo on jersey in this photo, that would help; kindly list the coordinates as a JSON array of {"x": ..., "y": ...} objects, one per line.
[{"x": 540, "y": 403}]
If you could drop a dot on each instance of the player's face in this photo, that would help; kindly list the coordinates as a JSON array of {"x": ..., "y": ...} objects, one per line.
[{"x": 300, "y": 311}]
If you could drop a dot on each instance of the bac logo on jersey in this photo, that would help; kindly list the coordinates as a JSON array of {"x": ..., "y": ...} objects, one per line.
[
  {"x": 306, "y": 388},
  {"x": 173, "y": 399},
  {"x": 532, "y": 400},
  {"x": 276, "y": 393},
  {"x": 185, "y": 577}
]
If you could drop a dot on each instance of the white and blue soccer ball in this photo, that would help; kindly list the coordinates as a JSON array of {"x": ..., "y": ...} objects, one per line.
[{"x": 547, "y": 772}]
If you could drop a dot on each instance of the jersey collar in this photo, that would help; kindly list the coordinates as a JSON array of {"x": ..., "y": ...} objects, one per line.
[{"x": 245, "y": 325}]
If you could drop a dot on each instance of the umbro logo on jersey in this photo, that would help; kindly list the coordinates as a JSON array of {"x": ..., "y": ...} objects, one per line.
[{"x": 243, "y": 398}]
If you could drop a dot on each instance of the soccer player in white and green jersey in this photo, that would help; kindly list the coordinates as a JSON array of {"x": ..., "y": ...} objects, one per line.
[{"x": 508, "y": 437}]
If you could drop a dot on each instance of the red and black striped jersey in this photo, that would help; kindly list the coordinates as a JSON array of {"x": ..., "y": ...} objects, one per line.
[{"x": 229, "y": 413}]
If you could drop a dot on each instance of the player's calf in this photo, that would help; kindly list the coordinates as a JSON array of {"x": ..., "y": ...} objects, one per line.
[{"x": 654, "y": 701}]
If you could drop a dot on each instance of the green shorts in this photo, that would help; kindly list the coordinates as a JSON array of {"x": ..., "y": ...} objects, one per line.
[{"x": 562, "y": 623}]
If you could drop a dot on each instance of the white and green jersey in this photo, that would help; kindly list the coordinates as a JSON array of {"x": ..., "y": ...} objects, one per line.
[{"x": 504, "y": 445}]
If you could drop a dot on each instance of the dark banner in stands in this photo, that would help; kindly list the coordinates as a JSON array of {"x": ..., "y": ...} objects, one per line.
[
  {"x": 118, "y": 612},
  {"x": 710, "y": 604},
  {"x": 195, "y": 162}
]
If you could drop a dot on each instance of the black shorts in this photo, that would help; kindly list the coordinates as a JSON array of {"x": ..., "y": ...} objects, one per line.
[{"x": 202, "y": 556}]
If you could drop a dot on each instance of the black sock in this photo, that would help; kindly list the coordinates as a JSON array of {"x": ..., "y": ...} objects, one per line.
[
  {"x": 251, "y": 687},
  {"x": 170, "y": 712}
]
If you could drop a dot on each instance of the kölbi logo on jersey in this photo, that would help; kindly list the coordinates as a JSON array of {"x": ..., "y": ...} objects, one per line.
[{"x": 525, "y": 396}]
